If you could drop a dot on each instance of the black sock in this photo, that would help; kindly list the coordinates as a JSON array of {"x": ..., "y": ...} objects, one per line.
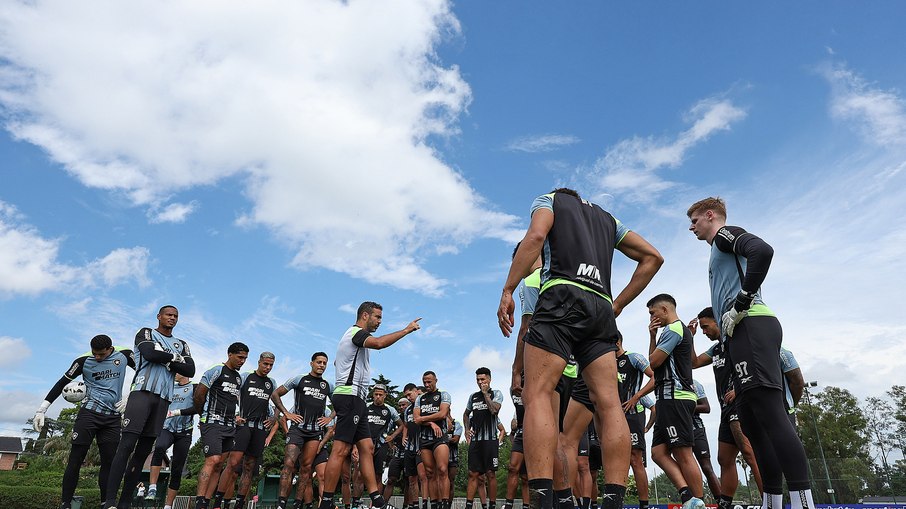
[
  {"x": 541, "y": 493},
  {"x": 594, "y": 504},
  {"x": 226, "y": 503},
  {"x": 509, "y": 503},
  {"x": 469, "y": 504},
  {"x": 308, "y": 505},
  {"x": 584, "y": 502},
  {"x": 492, "y": 504},
  {"x": 218, "y": 499},
  {"x": 725, "y": 502},
  {"x": 200, "y": 502},
  {"x": 297, "y": 503},
  {"x": 685, "y": 494},
  {"x": 377, "y": 500},
  {"x": 612, "y": 497},
  {"x": 565, "y": 498},
  {"x": 643, "y": 504},
  {"x": 240, "y": 499}
]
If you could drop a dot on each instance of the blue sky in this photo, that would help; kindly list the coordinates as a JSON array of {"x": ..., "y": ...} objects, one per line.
[{"x": 267, "y": 167}]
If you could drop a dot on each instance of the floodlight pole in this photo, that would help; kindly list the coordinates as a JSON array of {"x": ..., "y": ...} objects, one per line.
[{"x": 830, "y": 488}]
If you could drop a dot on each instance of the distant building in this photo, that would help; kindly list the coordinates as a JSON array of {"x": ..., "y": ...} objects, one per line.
[{"x": 10, "y": 449}]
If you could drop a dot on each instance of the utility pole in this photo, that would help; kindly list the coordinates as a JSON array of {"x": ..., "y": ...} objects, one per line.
[{"x": 830, "y": 488}]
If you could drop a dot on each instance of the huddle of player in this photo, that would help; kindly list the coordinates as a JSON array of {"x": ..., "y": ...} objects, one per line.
[
  {"x": 579, "y": 398},
  {"x": 570, "y": 351}
]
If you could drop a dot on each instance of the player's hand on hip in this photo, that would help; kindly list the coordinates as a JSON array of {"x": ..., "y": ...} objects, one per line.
[{"x": 731, "y": 319}]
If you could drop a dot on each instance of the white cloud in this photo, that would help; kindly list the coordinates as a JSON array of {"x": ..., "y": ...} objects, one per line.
[
  {"x": 347, "y": 308},
  {"x": 629, "y": 167},
  {"x": 326, "y": 121},
  {"x": 172, "y": 213},
  {"x": 15, "y": 351},
  {"x": 879, "y": 115},
  {"x": 541, "y": 143},
  {"x": 499, "y": 362},
  {"x": 17, "y": 407},
  {"x": 122, "y": 265},
  {"x": 28, "y": 261}
]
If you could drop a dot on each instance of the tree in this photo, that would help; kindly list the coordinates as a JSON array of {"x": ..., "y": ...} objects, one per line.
[
  {"x": 393, "y": 393},
  {"x": 835, "y": 414},
  {"x": 897, "y": 393},
  {"x": 662, "y": 490},
  {"x": 881, "y": 426}
]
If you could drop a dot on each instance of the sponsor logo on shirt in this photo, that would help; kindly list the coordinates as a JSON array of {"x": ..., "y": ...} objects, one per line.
[{"x": 589, "y": 271}]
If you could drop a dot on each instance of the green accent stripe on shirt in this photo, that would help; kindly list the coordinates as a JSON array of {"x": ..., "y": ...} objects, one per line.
[
  {"x": 561, "y": 281},
  {"x": 681, "y": 394},
  {"x": 760, "y": 310}
]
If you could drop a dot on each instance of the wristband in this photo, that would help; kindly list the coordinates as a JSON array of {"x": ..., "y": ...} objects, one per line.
[{"x": 743, "y": 300}]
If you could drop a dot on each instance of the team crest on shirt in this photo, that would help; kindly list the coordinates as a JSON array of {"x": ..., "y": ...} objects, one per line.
[
  {"x": 355, "y": 419},
  {"x": 116, "y": 362},
  {"x": 323, "y": 385},
  {"x": 267, "y": 385},
  {"x": 206, "y": 448},
  {"x": 622, "y": 363},
  {"x": 175, "y": 346},
  {"x": 75, "y": 435},
  {"x": 125, "y": 422},
  {"x": 384, "y": 412}
]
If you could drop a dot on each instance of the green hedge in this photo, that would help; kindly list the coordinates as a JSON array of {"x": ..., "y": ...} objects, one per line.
[{"x": 41, "y": 497}]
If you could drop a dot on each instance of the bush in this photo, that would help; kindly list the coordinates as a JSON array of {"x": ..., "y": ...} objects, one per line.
[{"x": 41, "y": 497}]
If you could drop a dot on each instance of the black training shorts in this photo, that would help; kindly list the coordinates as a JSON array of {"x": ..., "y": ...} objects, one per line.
[
  {"x": 594, "y": 456},
  {"x": 322, "y": 457},
  {"x": 636, "y": 424},
  {"x": 673, "y": 423},
  {"x": 90, "y": 424},
  {"x": 483, "y": 456},
  {"x": 754, "y": 351},
  {"x": 352, "y": 418},
  {"x": 517, "y": 442},
  {"x": 145, "y": 413},
  {"x": 701, "y": 448},
  {"x": 299, "y": 437},
  {"x": 583, "y": 445},
  {"x": 217, "y": 438},
  {"x": 250, "y": 441},
  {"x": 725, "y": 432},
  {"x": 581, "y": 395},
  {"x": 570, "y": 320}
]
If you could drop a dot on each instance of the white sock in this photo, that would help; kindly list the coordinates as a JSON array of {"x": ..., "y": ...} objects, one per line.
[
  {"x": 772, "y": 501},
  {"x": 168, "y": 507},
  {"x": 152, "y": 486},
  {"x": 801, "y": 499}
]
